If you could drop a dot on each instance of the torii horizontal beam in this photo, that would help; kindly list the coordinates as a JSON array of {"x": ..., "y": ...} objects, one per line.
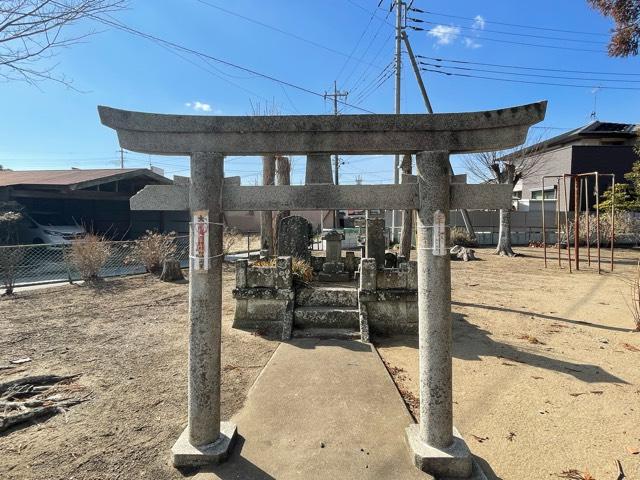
[
  {"x": 336, "y": 134},
  {"x": 404, "y": 196}
]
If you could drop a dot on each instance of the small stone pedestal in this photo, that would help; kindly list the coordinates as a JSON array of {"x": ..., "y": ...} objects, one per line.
[
  {"x": 183, "y": 454},
  {"x": 454, "y": 461}
]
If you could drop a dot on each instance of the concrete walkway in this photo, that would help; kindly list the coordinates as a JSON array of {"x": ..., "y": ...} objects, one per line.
[{"x": 321, "y": 409}]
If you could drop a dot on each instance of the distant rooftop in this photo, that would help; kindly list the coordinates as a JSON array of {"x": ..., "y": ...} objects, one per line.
[
  {"x": 595, "y": 129},
  {"x": 75, "y": 178}
]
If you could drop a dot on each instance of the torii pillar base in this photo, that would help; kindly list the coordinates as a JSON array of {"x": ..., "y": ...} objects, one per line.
[
  {"x": 452, "y": 462},
  {"x": 183, "y": 454}
]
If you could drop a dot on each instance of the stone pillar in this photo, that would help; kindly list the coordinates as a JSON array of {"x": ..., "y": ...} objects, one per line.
[
  {"x": 375, "y": 244},
  {"x": 437, "y": 447},
  {"x": 205, "y": 440}
]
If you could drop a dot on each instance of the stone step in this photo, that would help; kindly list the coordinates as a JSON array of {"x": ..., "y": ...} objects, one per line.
[
  {"x": 327, "y": 297},
  {"x": 326, "y": 317},
  {"x": 327, "y": 333}
]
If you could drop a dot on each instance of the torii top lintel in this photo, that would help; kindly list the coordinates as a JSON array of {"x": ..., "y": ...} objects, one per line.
[{"x": 342, "y": 134}]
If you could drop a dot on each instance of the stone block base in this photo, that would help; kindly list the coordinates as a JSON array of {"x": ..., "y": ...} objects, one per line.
[
  {"x": 183, "y": 454},
  {"x": 454, "y": 461},
  {"x": 333, "y": 277}
]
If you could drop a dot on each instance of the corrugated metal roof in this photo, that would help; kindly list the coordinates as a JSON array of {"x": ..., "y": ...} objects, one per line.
[{"x": 66, "y": 178}]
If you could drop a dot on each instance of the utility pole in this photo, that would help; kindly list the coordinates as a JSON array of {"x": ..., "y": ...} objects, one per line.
[
  {"x": 399, "y": 4},
  {"x": 121, "y": 158},
  {"x": 336, "y": 160}
]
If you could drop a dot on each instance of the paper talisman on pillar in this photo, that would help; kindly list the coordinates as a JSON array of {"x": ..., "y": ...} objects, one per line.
[
  {"x": 439, "y": 234},
  {"x": 200, "y": 240}
]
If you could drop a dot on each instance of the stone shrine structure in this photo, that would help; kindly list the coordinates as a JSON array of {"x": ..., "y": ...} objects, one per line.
[
  {"x": 436, "y": 446},
  {"x": 333, "y": 268}
]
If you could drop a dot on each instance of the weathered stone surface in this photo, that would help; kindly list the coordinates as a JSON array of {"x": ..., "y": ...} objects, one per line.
[
  {"x": 327, "y": 297},
  {"x": 321, "y": 197},
  {"x": 391, "y": 279},
  {"x": 333, "y": 246},
  {"x": 318, "y": 169},
  {"x": 261, "y": 277},
  {"x": 350, "y": 264},
  {"x": 284, "y": 273},
  {"x": 241, "y": 273},
  {"x": 368, "y": 274},
  {"x": 339, "y": 134},
  {"x": 293, "y": 237},
  {"x": 434, "y": 302},
  {"x": 454, "y": 460},
  {"x": 183, "y": 454},
  {"x": 205, "y": 304},
  {"x": 324, "y": 197},
  {"x": 326, "y": 317},
  {"x": 375, "y": 243}
]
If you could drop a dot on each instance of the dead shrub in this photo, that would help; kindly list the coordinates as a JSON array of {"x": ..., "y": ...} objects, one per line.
[
  {"x": 10, "y": 258},
  {"x": 88, "y": 255},
  {"x": 302, "y": 270},
  {"x": 231, "y": 237},
  {"x": 152, "y": 249},
  {"x": 459, "y": 236},
  {"x": 634, "y": 306}
]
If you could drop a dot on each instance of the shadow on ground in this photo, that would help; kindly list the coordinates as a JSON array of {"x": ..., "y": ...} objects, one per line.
[
  {"x": 236, "y": 467},
  {"x": 471, "y": 342}
]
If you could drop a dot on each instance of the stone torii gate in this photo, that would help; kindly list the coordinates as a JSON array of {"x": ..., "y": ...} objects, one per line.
[{"x": 437, "y": 447}]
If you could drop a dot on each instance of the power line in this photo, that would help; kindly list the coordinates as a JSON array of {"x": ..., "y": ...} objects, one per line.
[
  {"x": 283, "y": 32},
  {"x": 133, "y": 31},
  {"x": 557, "y": 77},
  {"x": 532, "y": 27},
  {"x": 510, "y": 80},
  {"x": 355, "y": 47},
  {"x": 521, "y": 67},
  {"x": 544, "y": 37}
]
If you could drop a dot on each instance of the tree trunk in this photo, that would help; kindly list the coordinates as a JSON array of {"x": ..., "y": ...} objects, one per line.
[
  {"x": 504, "y": 235},
  {"x": 266, "y": 218},
  {"x": 283, "y": 177},
  {"x": 171, "y": 271},
  {"x": 407, "y": 216},
  {"x": 506, "y": 174}
]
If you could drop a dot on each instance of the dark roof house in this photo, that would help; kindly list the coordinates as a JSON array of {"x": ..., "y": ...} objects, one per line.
[
  {"x": 605, "y": 147},
  {"x": 96, "y": 198}
]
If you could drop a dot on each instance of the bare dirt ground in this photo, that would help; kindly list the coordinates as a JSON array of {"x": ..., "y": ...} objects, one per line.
[
  {"x": 128, "y": 340},
  {"x": 546, "y": 367},
  {"x": 546, "y": 378}
]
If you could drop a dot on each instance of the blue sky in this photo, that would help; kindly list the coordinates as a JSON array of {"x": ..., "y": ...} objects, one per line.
[{"x": 57, "y": 127}]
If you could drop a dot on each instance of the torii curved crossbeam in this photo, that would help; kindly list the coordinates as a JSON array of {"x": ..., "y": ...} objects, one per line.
[{"x": 343, "y": 134}]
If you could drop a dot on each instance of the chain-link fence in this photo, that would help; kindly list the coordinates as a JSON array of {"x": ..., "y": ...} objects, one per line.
[{"x": 32, "y": 264}]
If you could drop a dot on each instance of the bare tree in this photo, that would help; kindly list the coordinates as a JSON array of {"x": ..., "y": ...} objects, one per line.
[
  {"x": 506, "y": 167},
  {"x": 34, "y": 30},
  {"x": 407, "y": 215},
  {"x": 626, "y": 34},
  {"x": 267, "y": 243},
  {"x": 283, "y": 177}
]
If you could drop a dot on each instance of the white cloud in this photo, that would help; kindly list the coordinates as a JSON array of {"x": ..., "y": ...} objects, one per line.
[
  {"x": 444, "y": 34},
  {"x": 471, "y": 43},
  {"x": 479, "y": 22},
  {"x": 199, "y": 106}
]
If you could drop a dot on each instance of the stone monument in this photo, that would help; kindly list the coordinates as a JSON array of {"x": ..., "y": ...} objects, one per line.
[{"x": 293, "y": 238}]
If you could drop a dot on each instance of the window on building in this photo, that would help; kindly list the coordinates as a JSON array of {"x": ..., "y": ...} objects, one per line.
[
  {"x": 548, "y": 194},
  {"x": 517, "y": 195}
]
